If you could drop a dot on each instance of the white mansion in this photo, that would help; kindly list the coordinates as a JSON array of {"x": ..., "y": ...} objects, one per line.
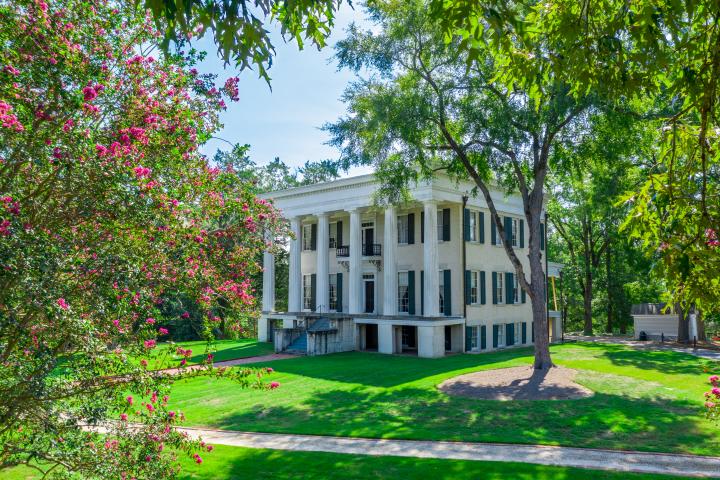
[{"x": 428, "y": 277}]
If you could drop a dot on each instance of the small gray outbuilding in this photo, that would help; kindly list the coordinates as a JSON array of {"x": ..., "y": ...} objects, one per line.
[{"x": 657, "y": 321}]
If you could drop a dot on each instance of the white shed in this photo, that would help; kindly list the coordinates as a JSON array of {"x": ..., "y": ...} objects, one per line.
[{"x": 652, "y": 319}]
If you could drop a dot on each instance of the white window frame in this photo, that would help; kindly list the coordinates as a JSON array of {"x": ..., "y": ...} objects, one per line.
[
  {"x": 473, "y": 226},
  {"x": 403, "y": 229},
  {"x": 474, "y": 339},
  {"x": 518, "y": 326},
  {"x": 501, "y": 336},
  {"x": 515, "y": 231},
  {"x": 474, "y": 287},
  {"x": 516, "y": 286},
  {"x": 500, "y": 287},
  {"x": 332, "y": 232},
  {"x": 307, "y": 292},
  {"x": 332, "y": 292},
  {"x": 440, "y": 225},
  {"x": 307, "y": 237},
  {"x": 403, "y": 292}
]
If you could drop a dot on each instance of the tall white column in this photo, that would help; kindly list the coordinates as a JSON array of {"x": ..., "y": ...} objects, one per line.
[
  {"x": 322, "y": 299},
  {"x": 431, "y": 291},
  {"x": 268, "y": 300},
  {"x": 355, "y": 281},
  {"x": 390, "y": 287},
  {"x": 295, "y": 280}
]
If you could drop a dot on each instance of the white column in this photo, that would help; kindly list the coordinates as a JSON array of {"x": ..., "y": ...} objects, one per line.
[
  {"x": 431, "y": 292},
  {"x": 268, "y": 300},
  {"x": 355, "y": 281},
  {"x": 322, "y": 299},
  {"x": 431, "y": 341},
  {"x": 385, "y": 338},
  {"x": 390, "y": 287},
  {"x": 295, "y": 280}
]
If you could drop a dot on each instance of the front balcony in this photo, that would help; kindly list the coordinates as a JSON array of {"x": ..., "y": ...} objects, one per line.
[
  {"x": 343, "y": 251},
  {"x": 368, "y": 250}
]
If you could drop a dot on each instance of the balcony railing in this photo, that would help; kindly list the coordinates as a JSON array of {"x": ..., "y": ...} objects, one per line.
[
  {"x": 371, "y": 250},
  {"x": 343, "y": 251}
]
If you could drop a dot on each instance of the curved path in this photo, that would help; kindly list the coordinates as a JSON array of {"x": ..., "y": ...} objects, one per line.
[
  {"x": 229, "y": 363},
  {"x": 618, "y": 460}
]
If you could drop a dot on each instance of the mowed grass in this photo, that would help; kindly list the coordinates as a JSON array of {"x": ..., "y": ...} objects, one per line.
[
  {"x": 644, "y": 400},
  {"x": 165, "y": 355},
  {"x": 234, "y": 463}
]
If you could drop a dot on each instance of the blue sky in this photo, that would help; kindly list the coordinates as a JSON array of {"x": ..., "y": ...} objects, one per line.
[{"x": 285, "y": 122}]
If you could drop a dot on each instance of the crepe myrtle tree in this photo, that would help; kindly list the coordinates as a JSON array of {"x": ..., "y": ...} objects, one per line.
[
  {"x": 429, "y": 107},
  {"x": 107, "y": 212}
]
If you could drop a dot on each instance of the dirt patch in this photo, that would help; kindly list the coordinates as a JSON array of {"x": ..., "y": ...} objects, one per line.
[{"x": 517, "y": 383}]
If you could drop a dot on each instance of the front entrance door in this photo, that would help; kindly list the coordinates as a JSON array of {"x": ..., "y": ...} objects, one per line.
[
  {"x": 369, "y": 294},
  {"x": 371, "y": 337},
  {"x": 368, "y": 238},
  {"x": 448, "y": 338}
]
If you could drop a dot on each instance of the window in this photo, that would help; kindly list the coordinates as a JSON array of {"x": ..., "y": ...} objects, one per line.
[
  {"x": 515, "y": 234},
  {"x": 332, "y": 286},
  {"x": 516, "y": 289},
  {"x": 501, "y": 335},
  {"x": 402, "y": 229},
  {"x": 474, "y": 344},
  {"x": 473, "y": 226},
  {"x": 307, "y": 292},
  {"x": 307, "y": 237},
  {"x": 441, "y": 284},
  {"x": 474, "y": 289},
  {"x": 518, "y": 327},
  {"x": 403, "y": 293},
  {"x": 499, "y": 287},
  {"x": 440, "y": 227},
  {"x": 333, "y": 235}
]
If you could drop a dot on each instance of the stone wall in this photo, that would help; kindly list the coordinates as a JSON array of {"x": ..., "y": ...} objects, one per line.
[{"x": 340, "y": 339}]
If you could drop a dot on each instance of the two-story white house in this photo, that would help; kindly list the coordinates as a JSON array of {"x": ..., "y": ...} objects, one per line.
[{"x": 426, "y": 278}]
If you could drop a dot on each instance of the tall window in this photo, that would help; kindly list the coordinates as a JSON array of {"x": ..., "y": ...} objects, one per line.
[
  {"x": 440, "y": 225},
  {"x": 515, "y": 234},
  {"x": 403, "y": 293},
  {"x": 441, "y": 283},
  {"x": 402, "y": 229},
  {"x": 307, "y": 237},
  {"x": 307, "y": 292},
  {"x": 332, "y": 285},
  {"x": 516, "y": 290},
  {"x": 518, "y": 327},
  {"x": 473, "y": 226},
  {"x": 333, "y": 235},
  {"x": 501, "y": 335},
  {"x": 474, "y": 288},
  {"x": 499, "y": 287},
  {"x": 474, "y": 344}
]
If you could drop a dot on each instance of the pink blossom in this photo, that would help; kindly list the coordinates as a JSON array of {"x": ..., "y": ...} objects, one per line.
[
  {"x": 714, "y": 379},
  {"x": 62, "y": 303},
  {"x": 89, "y": 93},
  {"x": 123, "y": 417},
  {"x": 149, "y": 344},
  {"x": 141, "y": 171},
  {"x": 129, "y": 399},
  {"x": 150, "y": 407},
  {"x": 185, "y": 315},
  {"x": 274, "y": 385},
  {"x": 150, "y": 320},
  {"x": 163, "y": 331}
]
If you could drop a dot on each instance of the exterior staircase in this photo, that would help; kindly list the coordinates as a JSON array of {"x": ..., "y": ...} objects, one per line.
[{"x": 299, "y": 345}]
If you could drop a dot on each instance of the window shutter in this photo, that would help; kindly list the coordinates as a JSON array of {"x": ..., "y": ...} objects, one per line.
[
  {"x": 509, "y": 289},
  {"x": 523, "y": 298},
  {"x": 339, "y": 239},
  {"x": 507, "y": 225},
  {"x": 468, "y": 338},
  {"x": 466, "y": 224},
  {"x": 446, "y": 224},
  {"x": 482, "y": 288},
  {"x": 422, "y": 292},
  {"x": 522, "y": 233},
  {"x": 509, "y": 334},
  {"x": 481, "y": 226},
  {"x": 495, "y": 335},
  {"x": 494, "y": 288},
  {"x": 313, "y": 237},
  {"x": 339, "y": 287},
  {"x": 313, "y": 290},
  {"x": 411, "y": 292},
  {"x": 483, "y": 339},
  {"x": 448, "y": 293},
  {"x": 542, "y": 236},
  {"x": 422, "y": 227},
  {"x": 493, "y": 231},
  {"x": 524, "y": 333},
  {"x": 411, "y": 228},
  {"x": 467, "y": 287}
]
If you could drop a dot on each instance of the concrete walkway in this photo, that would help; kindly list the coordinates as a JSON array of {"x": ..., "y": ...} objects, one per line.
[
  {"x": 230, "y": 363},
  {"x": 641, "y": 462},
  {"x": 698, "y": 352}
]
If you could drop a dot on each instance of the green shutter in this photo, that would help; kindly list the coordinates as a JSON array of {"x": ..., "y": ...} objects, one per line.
[
  {"x": 482, "y": 288},
  {"x": 446, "y": 224},
  {"x": 447, "y": 293},
  {"x": 422, "y": 227},
  {"x": 313, "y": 290},
  {"x": 509, "y": 334},
  {"x": 481, "y": 226},
  {"x": 468, "y": 338},
  {"x": 524, "y": 333},
  {"x": 466, "y": 224},
  {"x": 313, "y": 236},
  {"x": 411, "y": 228},
  {"x": 522, "y": 233},
  {"x": 508, "y": 230},
  {"x": 339, "y": 239},
  {"x": 494, "y": 288},
  {"x": 493, "y": 231},
  {"x": 509, "y": 289},
  {"x": 495, "y": 335},
  {"x": 467, "y": 287},
  {"x": 483, "y": 339},
  {"x": 523, "y": 296},
  {"x": 339, "y": 286},
  {"x": 411, "y": 292},
  {"x": 542, "y": 236},
  {"x": 422, "y": 292}
]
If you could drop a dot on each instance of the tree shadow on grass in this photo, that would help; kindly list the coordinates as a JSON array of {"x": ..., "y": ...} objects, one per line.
[{"x": 602, "y": 421}]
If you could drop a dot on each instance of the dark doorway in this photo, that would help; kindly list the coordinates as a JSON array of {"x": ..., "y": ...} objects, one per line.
[
  {"x": 368, "y": 240},
  {"x": 371, "y": 337},
  {"x": 448, "y": 338},
  {"x": 370, "y": 297},
  {"x": 409, "y": 338}
]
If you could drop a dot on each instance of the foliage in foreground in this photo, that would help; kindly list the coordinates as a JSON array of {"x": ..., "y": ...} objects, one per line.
[{"x": 108, "y": 212}]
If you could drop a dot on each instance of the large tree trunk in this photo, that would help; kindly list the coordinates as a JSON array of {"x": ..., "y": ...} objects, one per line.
[
  {"x": 683, "y": 324},
  {"x": 587, "y": 300},
  {"x": 701, "y": 335},
  {"x": 609, "y": 328},
  {"x": 538, "y": 301}
]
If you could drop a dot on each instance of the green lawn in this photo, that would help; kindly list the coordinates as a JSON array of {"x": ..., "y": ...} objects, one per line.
[
  {"x": 232, "y": 463},
  {"x": 644, "y": 400},
  {"x": 166, "y": 357}
]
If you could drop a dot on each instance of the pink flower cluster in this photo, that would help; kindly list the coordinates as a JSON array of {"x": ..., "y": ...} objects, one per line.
[
  {"x": 712, "y": 397},
  {"x": 9, "y": 120},
  {"x": 712, "y": 238}
]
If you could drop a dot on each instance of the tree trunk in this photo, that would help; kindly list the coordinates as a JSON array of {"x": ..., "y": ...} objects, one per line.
[
  {"x": 538, "y": 301},
  {"x": 701, "y": 335},
  {"x": 587, "y": 301},
  {"x": 683, "y": 324},
  {"x": 609, "y": 328}
]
